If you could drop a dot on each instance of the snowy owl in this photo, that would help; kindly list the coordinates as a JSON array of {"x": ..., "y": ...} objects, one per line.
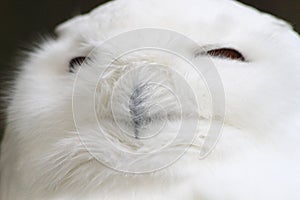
[{"x": 151, "y": 99}]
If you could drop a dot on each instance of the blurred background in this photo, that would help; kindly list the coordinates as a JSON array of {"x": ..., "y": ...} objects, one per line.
[{"x": 23, "y": 22}]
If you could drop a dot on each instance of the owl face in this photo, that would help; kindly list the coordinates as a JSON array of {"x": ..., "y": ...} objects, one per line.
[{"x": 146, "y": 86}]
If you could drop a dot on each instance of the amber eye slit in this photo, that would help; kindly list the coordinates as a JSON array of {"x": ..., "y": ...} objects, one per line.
[
  {"x": 75, "y": 62},
  {"x": 226, "y": 53}
]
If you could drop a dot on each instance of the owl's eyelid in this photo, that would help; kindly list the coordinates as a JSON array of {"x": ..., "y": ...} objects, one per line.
[
  {"x": 204, "y": 51},
  {"x": 76, "y": 62}
]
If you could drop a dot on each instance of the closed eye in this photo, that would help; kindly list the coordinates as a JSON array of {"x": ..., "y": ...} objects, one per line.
[
  {"x": 75, "y": 62},
  {"x": 227, "y": 53}
]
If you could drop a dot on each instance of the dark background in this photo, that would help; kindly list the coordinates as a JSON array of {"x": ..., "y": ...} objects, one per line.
[{"x": 24, "y": 21}]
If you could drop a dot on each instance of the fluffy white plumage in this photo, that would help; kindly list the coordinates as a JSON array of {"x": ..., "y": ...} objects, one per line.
[{"x": 257, "y": 156}]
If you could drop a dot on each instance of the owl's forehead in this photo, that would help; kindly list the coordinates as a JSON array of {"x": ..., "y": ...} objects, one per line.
[{"x": 207, "y": 20}]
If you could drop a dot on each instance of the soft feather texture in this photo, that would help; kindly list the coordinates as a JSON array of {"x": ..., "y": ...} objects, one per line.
[{"x": 257, "y": 157}]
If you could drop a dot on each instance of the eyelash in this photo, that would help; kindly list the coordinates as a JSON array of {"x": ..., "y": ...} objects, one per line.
[
  {"x": 77, "y": 61},
  {"x": 228, "y": 53}
]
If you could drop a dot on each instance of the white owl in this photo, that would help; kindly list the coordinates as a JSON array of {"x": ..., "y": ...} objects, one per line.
[{"x": 151, "y": 99}]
